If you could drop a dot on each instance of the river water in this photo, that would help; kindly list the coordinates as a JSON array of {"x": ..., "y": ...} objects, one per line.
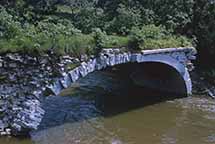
[{"x": 107, "y": 108}]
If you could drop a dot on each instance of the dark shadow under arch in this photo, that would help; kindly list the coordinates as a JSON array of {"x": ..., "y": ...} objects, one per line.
[
  {"x": 155, "y": 75},
  {"x": 161, "y": 77},
  {"x": 146, "y": 84}
]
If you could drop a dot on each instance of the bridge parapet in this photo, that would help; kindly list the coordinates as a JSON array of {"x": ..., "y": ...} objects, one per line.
[{"x": 183, "y": 55}]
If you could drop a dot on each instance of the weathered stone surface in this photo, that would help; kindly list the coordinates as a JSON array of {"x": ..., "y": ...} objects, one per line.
[
  {"x": 74, "y": 74},
  {"x": 101, "y": 62},
  {"x": 1, "y": 63},
  {"x": 25, "y": 80},
  {"x": 56, "y": 87},
  {"x": 83, "y": 70},
  {"x": 66, "y": 81},
  {"x": 91, "y": 65}
]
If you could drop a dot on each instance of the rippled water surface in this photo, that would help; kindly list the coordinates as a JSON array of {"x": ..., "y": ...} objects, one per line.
[{"x": 106, "y": 108}]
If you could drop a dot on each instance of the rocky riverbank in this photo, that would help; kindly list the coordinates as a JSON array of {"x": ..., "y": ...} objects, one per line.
[
  {"x": 201, "y": 86},
  {"x": 23, "y": 83}
]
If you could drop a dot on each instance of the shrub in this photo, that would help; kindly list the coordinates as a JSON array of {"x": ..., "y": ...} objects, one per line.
[
  {"x": 88, "y": 19},
  {"x": 9, "y": 27},
  {"x": 151, "y": 37},
  {"x": 136, "y": 39},
  {"x": 54, "y": 27},
  {"x": 99, "y": 38},
  {"x": 126, "y": 18}
]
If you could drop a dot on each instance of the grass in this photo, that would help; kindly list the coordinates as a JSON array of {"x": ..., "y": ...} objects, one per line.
[
  {"x": 173, "y": 42},
  {"x": 76, "y": 45},
  {"x": 114, "y": 41},
  {"x": 72, "y": 66},
  {"x": 80, "y": 44}
]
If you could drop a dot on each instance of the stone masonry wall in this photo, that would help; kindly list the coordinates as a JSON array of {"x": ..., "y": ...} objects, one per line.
[{"x": 26, "y": 80}]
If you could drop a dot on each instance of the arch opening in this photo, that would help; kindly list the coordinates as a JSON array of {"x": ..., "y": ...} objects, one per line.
[
  {"x": 153, "y": 75},
  {"x": 142, "y": 84},
  {"x": 122, "y": 88},
  {"x": 159, "y": 76}
]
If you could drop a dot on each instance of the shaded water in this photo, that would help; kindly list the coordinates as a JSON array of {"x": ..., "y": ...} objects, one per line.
[{"x": 107, "y": 108}]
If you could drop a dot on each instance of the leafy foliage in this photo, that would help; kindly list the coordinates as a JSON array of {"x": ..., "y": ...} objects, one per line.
[
  {"x": 99, "y": 38},
  {"x": 203, "y": 28},
  {"x": 126, "y": 18},
  {"x": 88, "y": 19},
  {"x": 8, "y": 26},
  {"x": 85, "y": 26},
  {"x": 151, "y": 37}
]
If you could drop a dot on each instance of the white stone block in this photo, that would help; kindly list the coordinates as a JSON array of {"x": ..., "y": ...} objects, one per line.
[
  {"x": 91, "y": 65},
  {"x": 74, "y": 74},
  {"x": 101, "y": 62},
  {"x": 56, "y": 87},
  {"x": 66, "y": 81},
  {"x": 83, "y": 69}
]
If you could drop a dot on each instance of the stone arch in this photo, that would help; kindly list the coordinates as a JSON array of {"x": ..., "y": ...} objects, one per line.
[
  {"x": 110, "y": 60},
  {"x": 175, "y": 64}
]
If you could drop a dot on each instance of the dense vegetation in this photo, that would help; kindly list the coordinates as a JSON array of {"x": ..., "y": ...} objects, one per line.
[{"x": 81, "y": 27}]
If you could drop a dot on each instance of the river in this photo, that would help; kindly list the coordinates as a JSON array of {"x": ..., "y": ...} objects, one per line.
[{"x": 107, "y": 108}]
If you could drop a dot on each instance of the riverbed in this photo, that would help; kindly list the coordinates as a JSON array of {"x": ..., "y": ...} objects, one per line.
[{"x": 107, "y": 108}]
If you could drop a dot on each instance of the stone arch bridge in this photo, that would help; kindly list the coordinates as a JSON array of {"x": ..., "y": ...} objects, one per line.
[
  {"x": 176, "y": 59},
  {"x": 170, "y": 72}
]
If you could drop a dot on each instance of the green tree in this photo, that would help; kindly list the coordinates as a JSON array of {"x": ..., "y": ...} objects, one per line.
[
  {"x": 43, "y": 6},
  {"x": 88, "y": 18},
  {"x": 125, "y": 19},
  {"x": 203, "y": 27},
  {"x": 9, "y": 27}
]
